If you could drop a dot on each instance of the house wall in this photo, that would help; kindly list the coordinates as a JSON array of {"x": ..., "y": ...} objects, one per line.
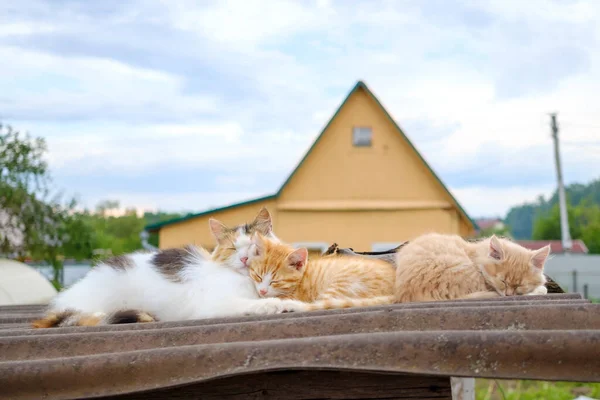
[
  {"x": 357, "y": 229},
  {"x": 389, "y": 170},
  {"x": 361, "y": 229},
  {"x": 196, "y": 230}
]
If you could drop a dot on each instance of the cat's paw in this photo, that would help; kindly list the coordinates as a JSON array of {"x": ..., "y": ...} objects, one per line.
[
  {"x": 276, "y": 306},
  {"x": 540, "y": 290},
  {"x": 267, "y": 306},
  {"x": 293, "y": 306}
]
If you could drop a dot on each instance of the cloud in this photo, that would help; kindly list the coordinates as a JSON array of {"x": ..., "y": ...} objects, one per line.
[
  {"x": 491, "y": 201},
  {"x": 188, "y": 202},
  {"x": 48, "y": 87},
  {"x": 128, "y": 90}
]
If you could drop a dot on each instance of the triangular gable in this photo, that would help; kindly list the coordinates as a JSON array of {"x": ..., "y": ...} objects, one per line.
[
  {"x": 359, "y": 85},
  {"x": 362, "y": 85}
]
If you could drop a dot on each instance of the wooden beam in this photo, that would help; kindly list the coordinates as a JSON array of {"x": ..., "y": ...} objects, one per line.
[{"x": 308, "y": 385}]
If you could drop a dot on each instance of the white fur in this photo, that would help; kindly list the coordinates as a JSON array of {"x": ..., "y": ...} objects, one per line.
[
  {"x": 538, "y": 290},
  {"x": 208, "y": 289},
  {"x": 265, "y": 284},
  {"x": 244, "y": 248}
]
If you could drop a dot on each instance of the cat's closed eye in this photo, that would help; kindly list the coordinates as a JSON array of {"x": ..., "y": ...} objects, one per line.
[
  {"x": 521, "y": 290},
  {"x": 255, "y": 276}
]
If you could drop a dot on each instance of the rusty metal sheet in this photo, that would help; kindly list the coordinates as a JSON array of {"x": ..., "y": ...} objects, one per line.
[{"x": 551, "y": 337}]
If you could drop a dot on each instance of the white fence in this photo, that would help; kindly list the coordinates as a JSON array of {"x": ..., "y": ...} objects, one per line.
[{"x": 576, "y": 273}]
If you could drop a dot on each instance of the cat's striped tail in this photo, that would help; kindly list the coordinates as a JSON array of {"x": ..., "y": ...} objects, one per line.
[
  {"x": 76, "y": 318},
  {"x": 330, "y": 304}
]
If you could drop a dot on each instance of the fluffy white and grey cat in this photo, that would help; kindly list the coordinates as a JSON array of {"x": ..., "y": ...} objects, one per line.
[{"x": 168, "y": 285}]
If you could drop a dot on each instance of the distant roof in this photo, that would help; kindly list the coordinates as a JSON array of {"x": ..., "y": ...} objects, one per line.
[
  {"x": 555, "y": 337},
  {"x": 555, "y": 245},
  {"x": 485, "y": 223},
  {"x": 158, "y": 225},
  {"x": 359, "y": 85}
]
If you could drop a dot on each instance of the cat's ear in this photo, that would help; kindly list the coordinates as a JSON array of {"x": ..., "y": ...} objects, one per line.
[
  {"x": 496, "y": 250},
  {"x": 539, "y": 257},
  {"x": 263, "y": 222},
  {"x": 217, "y": 229},
  {"x": 258, "y": 243},
  {"x": 297, "y": 259}
]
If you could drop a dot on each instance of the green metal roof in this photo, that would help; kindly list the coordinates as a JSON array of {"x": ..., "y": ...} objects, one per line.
[
  {"x": 359, "y": 85},
  {"x": 159, "y": 225}
]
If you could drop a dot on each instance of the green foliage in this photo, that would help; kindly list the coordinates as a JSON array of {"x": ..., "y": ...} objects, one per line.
[
  {"x": 119, "y": 234},
  {"x": 113, "y": 235},
  {"x": 584, "y": 223},
  {"x": 547, "y": 227},
  {"x": 32, "y": 222},
  {"x": 533, "y": 390},
  {"x": 521, "y": 218}
]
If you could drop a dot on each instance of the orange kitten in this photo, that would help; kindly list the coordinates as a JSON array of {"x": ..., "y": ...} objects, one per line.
[
  {"x": 279, "y": 270},
  {"x": 443, "y": 267}
]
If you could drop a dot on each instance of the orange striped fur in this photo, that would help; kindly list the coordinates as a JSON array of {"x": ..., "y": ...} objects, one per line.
[{"x": 324, "y": 282}]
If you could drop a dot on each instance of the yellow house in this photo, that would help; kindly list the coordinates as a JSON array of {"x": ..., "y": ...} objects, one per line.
[{"x": 362, "y": 184}]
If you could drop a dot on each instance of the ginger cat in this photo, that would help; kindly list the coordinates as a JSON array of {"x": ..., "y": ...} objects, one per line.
[
  {"x": 445, "y": 267},
  {"x": 279, "y": 270}
]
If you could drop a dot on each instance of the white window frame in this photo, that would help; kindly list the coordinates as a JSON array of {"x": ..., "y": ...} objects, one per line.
[
  {"x": 383, "y": 246},
  {"x": 358, "y": 130}
]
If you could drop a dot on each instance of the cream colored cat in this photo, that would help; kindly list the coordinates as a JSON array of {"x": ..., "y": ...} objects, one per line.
[{"x": 444, "y": 267}]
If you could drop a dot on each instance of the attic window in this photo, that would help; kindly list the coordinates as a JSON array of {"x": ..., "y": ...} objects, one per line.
[{"x": 361, "y": 136}]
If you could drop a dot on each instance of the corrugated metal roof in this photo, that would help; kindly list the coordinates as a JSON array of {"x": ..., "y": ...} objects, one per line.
[{"x": 553, "y": 337}]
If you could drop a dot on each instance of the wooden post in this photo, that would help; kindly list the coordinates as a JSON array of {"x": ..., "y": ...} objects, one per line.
[{"x": 463, "y": 388}]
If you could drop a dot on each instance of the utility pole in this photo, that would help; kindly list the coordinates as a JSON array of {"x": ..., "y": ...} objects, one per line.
[{"x": 562, "y": 198}]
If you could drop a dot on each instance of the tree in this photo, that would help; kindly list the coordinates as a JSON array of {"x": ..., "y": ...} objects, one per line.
[
  {"x": 23, "y": 172},
  {"x": 521, "y": 218},
  {"x": 33, "y": 222},
  {"x": 107, "y": 205},
  {"x": 584, "y": 224}
]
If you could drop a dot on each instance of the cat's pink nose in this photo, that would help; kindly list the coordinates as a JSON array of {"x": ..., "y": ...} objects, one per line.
[
  {"x": 262, "y": 292},
  {"x": 244, "y": 260}
]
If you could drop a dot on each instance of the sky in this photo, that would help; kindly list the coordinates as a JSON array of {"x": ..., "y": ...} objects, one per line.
[{"x": 173, "y": 105}]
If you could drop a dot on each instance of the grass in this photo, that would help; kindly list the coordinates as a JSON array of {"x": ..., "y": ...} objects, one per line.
[{"x": 533, "y": 390}]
